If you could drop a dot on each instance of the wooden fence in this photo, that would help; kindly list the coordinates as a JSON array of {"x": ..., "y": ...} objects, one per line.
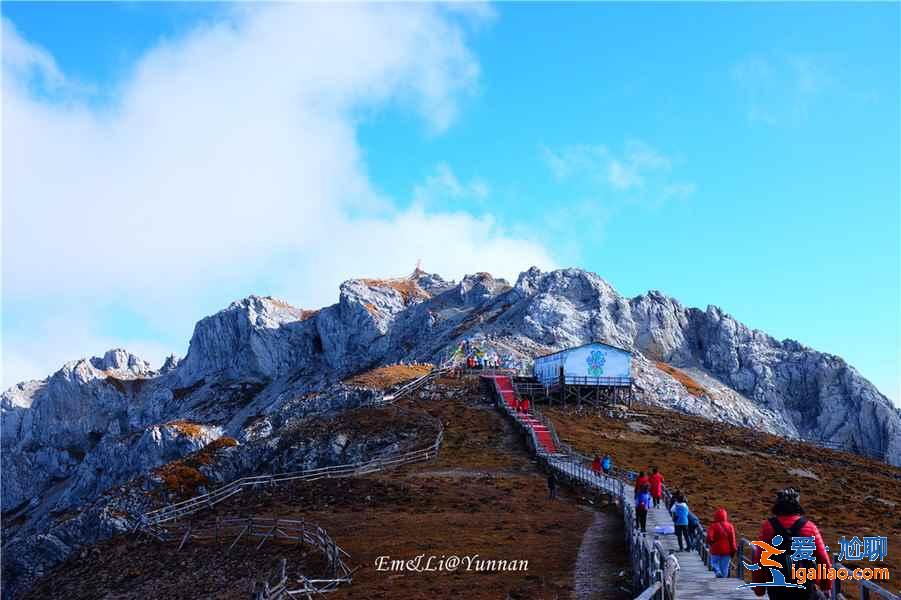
[
  {"x": 190, "y": 506},
  {"x": 654, "y": 571},
  {"x": 577, "y": 471},
  {"x": 412, "y": 386},
  {"x": 847, "y": 447},
  {"x": 293, "y": 532},
  {"x": 698, "y": 535}
]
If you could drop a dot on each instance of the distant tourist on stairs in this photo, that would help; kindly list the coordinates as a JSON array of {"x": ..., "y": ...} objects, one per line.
[
  {"x": 524, "y": 405},
  {"x": 679, "y": 511},
  {"x": 596, "y": 464},
  {"x": 788, "y": 521},
  {"x": 641, "y": 481},
  {"x": 552, "y": 486},
  {"x": 607, "y": 464},
  {"x": 656, "y": 481},
  {"x": 642, "y": 506},
  {"x": 721, "y": 538}
]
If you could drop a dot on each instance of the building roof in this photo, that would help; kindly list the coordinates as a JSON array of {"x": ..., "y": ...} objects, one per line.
[{"x": 582, "y": 346}]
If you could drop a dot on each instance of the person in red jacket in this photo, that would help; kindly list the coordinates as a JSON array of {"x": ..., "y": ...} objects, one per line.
[
  {"x": 721, "y": 538},
  {"x": 524, "y": 405},
  {"x": 788, "y": 521},
  {"x": 596, "y": 465},
  {"x": 656, "y": 484},
  {"x": 641, "y": 482}
]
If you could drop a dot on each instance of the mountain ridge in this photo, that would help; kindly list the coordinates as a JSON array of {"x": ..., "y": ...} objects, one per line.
[{"x": 260, "y": 364}]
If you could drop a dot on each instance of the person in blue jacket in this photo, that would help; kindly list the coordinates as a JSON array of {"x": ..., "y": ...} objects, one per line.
[
  {"x": 606, "y": 464},
  {"x": 694, "y": 524},
  {"x": 643, "y": 503},
  {"x": 680, "y": 513}
]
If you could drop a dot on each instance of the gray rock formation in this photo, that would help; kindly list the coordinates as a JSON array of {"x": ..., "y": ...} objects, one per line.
[{"x": 261, "y": 364}]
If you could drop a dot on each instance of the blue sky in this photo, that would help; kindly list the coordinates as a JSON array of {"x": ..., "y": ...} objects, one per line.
[{"x": 744, "y": 155}]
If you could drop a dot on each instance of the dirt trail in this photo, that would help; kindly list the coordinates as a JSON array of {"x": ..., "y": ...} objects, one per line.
[{"x": 588, "y": 579}]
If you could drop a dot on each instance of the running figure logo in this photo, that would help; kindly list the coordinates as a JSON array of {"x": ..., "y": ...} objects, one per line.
[{"x": 766, "y": 552}]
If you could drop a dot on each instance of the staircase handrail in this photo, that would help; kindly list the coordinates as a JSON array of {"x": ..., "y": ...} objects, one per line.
[{"x": 414, "y": 385}]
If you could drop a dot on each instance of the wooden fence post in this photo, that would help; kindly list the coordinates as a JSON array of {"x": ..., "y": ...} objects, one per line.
[{"x": 282, "y": 567}]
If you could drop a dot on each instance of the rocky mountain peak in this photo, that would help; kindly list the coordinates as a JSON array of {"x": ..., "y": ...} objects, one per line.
[
  {"x": 98, "y": 422},
  {"x": 432, "y": 283},
  {"x": 117, "y": 363},
  {"x": 258, "y": 336},
  {"x": 480, "y": 287}
]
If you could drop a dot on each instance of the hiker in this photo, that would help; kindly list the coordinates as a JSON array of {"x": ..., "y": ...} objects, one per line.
[
  {"x": 721, "y": 538},
  {"x": 694, "y": 525},
  {"x": 679, "y": 511},
  {"x": 656, "y": 481},
  {"x": 788, "y": 521},
  {"x": 596, "y": 465},
  {"x": 524, "y": 405},
  {"x": 607, "y": 464},
  {"x": 552, "y": 487},
  {"x": 641, "y": 481},
  {"x": 642, "y": 505}
]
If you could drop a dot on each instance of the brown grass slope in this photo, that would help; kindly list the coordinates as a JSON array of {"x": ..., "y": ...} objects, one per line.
[
  {"x": 482, "y": 496},
  {"x": 694, "y": 388},
  {"x": 383, "y": 378},
  {"x": 716, "y": 464}
]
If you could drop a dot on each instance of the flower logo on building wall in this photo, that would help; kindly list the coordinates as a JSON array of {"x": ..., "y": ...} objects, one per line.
[{"x": 595, "y": 362}]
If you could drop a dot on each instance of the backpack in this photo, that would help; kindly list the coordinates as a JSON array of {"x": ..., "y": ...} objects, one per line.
[{"x": 809, "y": 591}]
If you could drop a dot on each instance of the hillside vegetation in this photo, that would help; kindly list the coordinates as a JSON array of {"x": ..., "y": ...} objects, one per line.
[
  {"x": 383, "y": 378},
  {"x": 716, "y": 464},
  {"x": 482, "y": 496}
]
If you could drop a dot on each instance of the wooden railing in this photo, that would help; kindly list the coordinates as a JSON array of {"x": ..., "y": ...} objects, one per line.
[
  {"x": 588, "y": 380},
  {"x": 865, "y": 589},
  {"x": 295, "y": 532},
  {"x": 412, "y": 386},
  {"x": 197, "y": 503},
  {"x": 529, "y": 388},
  {"x": 655, "y": 572},
  {"x": 745, "y": 554},
  {"x": 847, "y": 447},
  {"x": 272, "y": 591}
]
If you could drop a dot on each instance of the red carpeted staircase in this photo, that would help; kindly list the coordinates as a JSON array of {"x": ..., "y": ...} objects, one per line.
[{"x": 504, "y": 386}]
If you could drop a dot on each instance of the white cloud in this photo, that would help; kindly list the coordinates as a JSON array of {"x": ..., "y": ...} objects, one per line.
[
  {"x": 66, "y": 335},
  {"x": 27, "y": 61},
  {"x": 678, "y": 191},
  {"x": 639, "y": 167},
  {"x": 228, "y": 162},
  {"x": 449, "y": 243},
  {"x": 779, "y": 89},
  {"x": 442, "y": 188}
]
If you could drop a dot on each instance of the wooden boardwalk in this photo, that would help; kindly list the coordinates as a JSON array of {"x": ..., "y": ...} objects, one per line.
[{"x": 694, "y": 580}]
